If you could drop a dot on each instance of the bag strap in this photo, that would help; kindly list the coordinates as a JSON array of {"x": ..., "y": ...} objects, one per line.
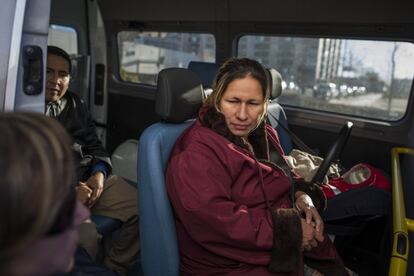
[{"x": 296, "y": 140}]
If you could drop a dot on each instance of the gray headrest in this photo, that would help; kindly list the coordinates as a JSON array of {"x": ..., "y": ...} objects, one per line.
[
  {"x": 179, "y": 95},
  {"x": 275, "y": 82}
]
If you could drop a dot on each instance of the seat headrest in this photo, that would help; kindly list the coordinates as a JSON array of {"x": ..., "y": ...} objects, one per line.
[
  {"x": 206, "y": 71},
  {"x": 179, "y": 95},
  {"x": 275, "y": 82}
]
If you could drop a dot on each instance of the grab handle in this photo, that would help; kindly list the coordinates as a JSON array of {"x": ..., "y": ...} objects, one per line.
[{"x": 32, "y": 70}]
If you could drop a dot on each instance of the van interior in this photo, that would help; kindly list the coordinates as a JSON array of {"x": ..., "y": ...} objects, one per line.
[{"x": 339, "y": 62}]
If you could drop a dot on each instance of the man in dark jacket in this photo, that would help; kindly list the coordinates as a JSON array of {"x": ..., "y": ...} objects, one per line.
[{"x": 105, "y": 194}]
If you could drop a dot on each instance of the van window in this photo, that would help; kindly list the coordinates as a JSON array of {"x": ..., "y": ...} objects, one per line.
[
  {"x": 365, "y": 78},
  {"x": 63, "y": 37},
  {"x": 143, "y": 54}
]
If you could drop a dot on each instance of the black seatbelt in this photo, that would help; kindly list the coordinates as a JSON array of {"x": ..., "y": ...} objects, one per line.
[
  {"x": 296, "y": 140},
  {"x": 276, "y": 158}
]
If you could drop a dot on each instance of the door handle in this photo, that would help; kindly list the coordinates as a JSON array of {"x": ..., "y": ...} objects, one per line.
[{"x": 32, "y": 70}]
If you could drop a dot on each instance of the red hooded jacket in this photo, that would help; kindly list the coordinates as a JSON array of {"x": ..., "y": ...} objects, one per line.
[{"x": 221, "y": 202}]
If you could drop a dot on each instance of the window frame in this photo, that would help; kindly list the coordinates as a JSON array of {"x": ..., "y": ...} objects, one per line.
[
  {"x": 117, "y": 73},
  {"x": 76, "y": 32},
  {"x": 316, "y": 115}
]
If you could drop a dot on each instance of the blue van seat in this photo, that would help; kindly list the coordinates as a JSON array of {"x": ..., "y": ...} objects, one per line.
[
  {"x": 275, "y": 112},
  {"x": 178, "y": 99},
  {"x": 206, "y": 71}
]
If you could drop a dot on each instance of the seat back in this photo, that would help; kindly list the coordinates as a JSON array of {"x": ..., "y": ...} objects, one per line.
[
  {"x": 276, "y": 114},
  {"x": 178, "y": 99},
  {"x": 80, "y": 76},
  {"x": 206, "y": 71}
]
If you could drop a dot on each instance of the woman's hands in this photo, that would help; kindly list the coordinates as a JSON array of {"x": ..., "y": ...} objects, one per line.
[
  {"x": 312, "y": 225},
  {"x": 308, "y": 235}
]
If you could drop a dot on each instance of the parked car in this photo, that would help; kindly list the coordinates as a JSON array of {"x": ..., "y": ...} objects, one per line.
[
  {"x": 290, "y": 88},
  {"x": 345, "y": 90},
  {"x": 361, "y": 90},
  {"x": 325, "y": 91}
]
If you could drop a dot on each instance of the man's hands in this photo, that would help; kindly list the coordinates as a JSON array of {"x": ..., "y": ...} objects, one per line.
[
  {"x": 96, "y": 183},
  {"x": 89, "y": 192},
  {"x": 312, "y": 225}
]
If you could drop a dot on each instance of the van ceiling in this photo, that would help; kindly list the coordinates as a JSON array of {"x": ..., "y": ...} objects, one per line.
[{"x": 299, "y": 11}]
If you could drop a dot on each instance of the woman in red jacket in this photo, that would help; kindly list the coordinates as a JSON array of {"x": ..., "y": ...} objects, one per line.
[{"x": 232, "y": 193}]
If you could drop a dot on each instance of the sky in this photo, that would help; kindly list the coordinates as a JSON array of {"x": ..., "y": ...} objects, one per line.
[{"x": 378, "y": 55}]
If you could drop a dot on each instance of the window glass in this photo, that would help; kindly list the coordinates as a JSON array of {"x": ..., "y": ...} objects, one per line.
[
  {"x": 63, "y": 37},
  {"x": 143, "y": 54},
  {"x": 363, "y": 78}
]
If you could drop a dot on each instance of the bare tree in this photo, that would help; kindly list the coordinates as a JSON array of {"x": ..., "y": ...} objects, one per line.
[{"x": 392, "y": 75}]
